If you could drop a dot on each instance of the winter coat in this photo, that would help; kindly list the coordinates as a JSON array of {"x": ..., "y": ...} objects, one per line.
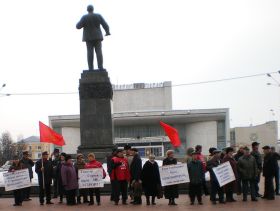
[
  {"x": 136, "y": 168},
  {"x": 59, "y": 177},
  {"x": 95, "y": 164},
  {"x": 48, "y": 171},
  {"x": 247, "y": 167},
  {"x": 69, "y": 177},
  {"x": 170, "y": 191},
  {"x": 232, "y": 186},
  {"x": 270, "y": 165},
  {"x": 79, "y": 165},
  {"x": 214, "y": 162},
  {"x": 201, "y": 157},
  {"x": 150, "y": 178},
  {"x": 258, "y": 157},
  {"x": 28, "y": 163},
  {"x": 196, "y": 172},
  {"x": 120, "y": 169}
]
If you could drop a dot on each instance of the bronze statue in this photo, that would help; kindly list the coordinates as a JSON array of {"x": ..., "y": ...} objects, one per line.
[{"x": 92, "y": 35}]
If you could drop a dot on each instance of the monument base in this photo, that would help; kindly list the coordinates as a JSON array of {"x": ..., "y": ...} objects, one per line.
[{"x": 96, "y": 126}]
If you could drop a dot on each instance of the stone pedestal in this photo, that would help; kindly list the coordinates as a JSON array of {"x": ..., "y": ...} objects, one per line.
[{"x": 96, "y": 125}]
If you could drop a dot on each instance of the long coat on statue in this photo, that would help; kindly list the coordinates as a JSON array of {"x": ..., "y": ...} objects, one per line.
[
  {"x": 150, "y": 178},
  {"x": 170, "y": 191}
]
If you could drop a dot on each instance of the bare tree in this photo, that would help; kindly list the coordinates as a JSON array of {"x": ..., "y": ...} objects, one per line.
[{"x": 8, "y": 148}]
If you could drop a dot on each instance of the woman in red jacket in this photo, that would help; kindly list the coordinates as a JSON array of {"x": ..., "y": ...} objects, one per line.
[
  {"x": 94, "y": 164},
  {"x": 120, "y": 176}
]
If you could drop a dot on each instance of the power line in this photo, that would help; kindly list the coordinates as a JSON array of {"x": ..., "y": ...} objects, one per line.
[{"x": 175, "y": 85}]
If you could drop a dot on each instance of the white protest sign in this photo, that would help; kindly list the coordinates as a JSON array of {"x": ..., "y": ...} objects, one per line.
[
  {"x": 91, "y": 178},
  {"x": 224, "y": 173},
  {"x": 174, "y": 174},
  {"x": 16, "y": 180}
]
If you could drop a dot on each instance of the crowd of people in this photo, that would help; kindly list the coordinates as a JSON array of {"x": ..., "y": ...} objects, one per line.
[{"x": 128, "y": 176}]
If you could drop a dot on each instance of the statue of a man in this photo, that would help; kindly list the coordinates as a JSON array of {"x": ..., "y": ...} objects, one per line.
[{"x": 92, "y": 35}]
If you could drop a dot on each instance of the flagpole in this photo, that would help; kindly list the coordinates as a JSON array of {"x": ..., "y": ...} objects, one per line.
[{"x": 43, "y": 173}]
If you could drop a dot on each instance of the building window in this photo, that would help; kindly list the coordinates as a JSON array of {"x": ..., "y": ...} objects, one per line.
[
  {"x": 30, "y": 148},
  {"x": 39, "y": 147}
]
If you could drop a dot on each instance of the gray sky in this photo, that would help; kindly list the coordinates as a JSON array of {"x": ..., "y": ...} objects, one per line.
[{"x": 152, "y": 41}]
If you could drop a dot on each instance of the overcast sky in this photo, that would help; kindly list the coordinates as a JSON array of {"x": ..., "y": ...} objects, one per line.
[{"x": 152, "y": 41}]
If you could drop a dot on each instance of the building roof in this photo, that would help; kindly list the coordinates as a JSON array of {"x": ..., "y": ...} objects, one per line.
[
  {"x": 32, "y": 139},
  {"x": 149, "y": 117}
]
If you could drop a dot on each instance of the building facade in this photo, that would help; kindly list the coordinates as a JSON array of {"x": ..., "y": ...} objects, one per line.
[
  {"x": 265, "y": 134},
  {"x": 137, "y": 111},
  {"x": 35, "y": 148}
]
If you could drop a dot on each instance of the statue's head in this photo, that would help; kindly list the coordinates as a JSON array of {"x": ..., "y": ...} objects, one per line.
[{"x": 90, "y": 8}]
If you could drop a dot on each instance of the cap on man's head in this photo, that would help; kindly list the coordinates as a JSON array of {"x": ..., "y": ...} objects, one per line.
[
  {"x": 68, "y": 157},
  {"x": 127, "y": 147},
  {"x": 216, "y": 151},
  {"x": 45, "y": 153},
  {"x": 246, "y": 149},
  {"x": 229, "y": 149},
  {"x": 266, "y": 147},
  {"x": 56, "y": 150},
  {"x": 134, "y": 150},
  {"x": 89, "y": 8},
  {"x": 119, "y": 150},
  {"x": 212, "y": 149},
  {"x": 25, "y": 153},
  {"x": 255, "y": 144},
  {"x": 198, "y": 147}
]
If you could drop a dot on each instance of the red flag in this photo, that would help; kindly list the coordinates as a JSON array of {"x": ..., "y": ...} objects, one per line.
[
  {"x": 172, "y": 133},
  {"x": 50, "y": 136}
]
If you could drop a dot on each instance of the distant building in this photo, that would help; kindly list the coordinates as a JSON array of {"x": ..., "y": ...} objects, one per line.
[
  {"x": 35, "y": 147},
  {"x": 265, "y": 134},
  {"x": 137, "y": 110}
]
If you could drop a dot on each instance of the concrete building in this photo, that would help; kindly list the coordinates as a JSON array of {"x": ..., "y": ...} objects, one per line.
[
  {"x": 35, "y": 147},
  {"x": 138, "y": 108},
  {"x": 266, "y": 134}
]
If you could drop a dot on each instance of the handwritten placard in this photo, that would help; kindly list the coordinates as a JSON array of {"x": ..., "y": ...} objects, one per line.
[
  {"x": 174, "y": 174},
  {"x": 91, "y": 178},
  {"x": 16, "y": 180},
  {"x": 224, "y": 173}
]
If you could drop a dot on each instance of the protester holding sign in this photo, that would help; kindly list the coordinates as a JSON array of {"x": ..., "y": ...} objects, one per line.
[
  {"x": 248, "y": 169},
  {"x": 44, "y": 169},
  {"x": 170, "y": 191},
  {"x": 197, "y": 177},
  {"x": 28, "y": 163},
  {"x": 18, "y": 193},
  {"x": 151, "y": 180},
  {"x": 94, "y": 164},
  {"x": 80, "y": 164},
  {"x": 120, "y": 176},
  {"x": 69, "y": 180},
  {"x": 215, "y": 187},
  {"x": 230, "y": 187}
]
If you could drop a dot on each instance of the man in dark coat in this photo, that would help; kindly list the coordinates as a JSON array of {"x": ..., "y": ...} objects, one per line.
[
  {"x": 257, "y": 155},
  {"x": 151, "y": 179},
  {"x": 44, "y": 169},
  {"x": 238, "y": 155},
  {"x": 247, "y": 167},
  {"x": 277, "y": 176},
  {"x": 269, "y": 172},
  {"x": 215, "y": 187},
  {"x": 135, "y": 172},
  {"x": 197, "y": 176},
  {"x": 55, "y": 162},
  {"x": 171, "y": 191},
  {"x": 230, "y": 187},
  {"x": 28, "y": 163},
  {"x": 92, "y": 35}
]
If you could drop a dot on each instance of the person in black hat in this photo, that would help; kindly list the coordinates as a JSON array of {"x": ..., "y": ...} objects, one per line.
[
  {"x": 269, "y": 172},
  {"x": 247, "y": 167},
  {"x": 110, "y": 168},
  {"x": 215, "y": 187},
  {"x": 55, "y": 160},
  {"x": 197, "y": 177},
  {"x": 60, "y": 188},
  {"x": 257, "y": 155},
  {"x": 18, "y": 193},
  {"x": 44, "y": 169},
  {"x": 28, "y": 163}
]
